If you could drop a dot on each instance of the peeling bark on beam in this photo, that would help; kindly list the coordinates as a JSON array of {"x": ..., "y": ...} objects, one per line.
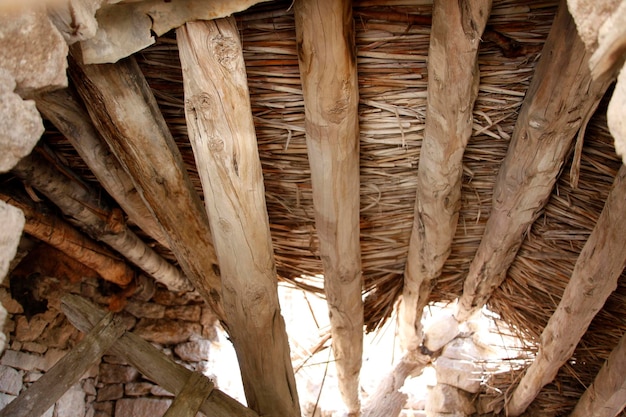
[
  {"x": 221, "y": 131},
  {"x": 594, "y": 278},
  {"x": 124, "y": 110},
  {"x": 61, "y": 235},
  {"x": 85, "y": 209},
  {"x": 606, "y": 397},
  {"x": 560, "y": 97},
  {"x": 452, "y": 89},
  {"x": 70, "y": 117},
  {"x": 331, "y": 97}
]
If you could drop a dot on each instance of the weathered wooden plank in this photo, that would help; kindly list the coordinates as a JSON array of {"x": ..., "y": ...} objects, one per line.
[
  {"x": 330, "y": 88},
  {"x": 452, "y": 89},
  {"x": 150, "y": 361},
  {"x": 123, "y": 108},
  {"x": 594, "y": 278},
  {"x": 125, "y": 28},
  {"x": 561, "y": 95},
  {"x": 56, "y": 232},
  {"x": 65, "y": 111},
  {"x": 85, "y": 208},
  {"x": 44, "y": 392},
  {"x": 606, "y": 397},
  {"x": 190, "y": 398},
  {"x": 222, "y": 134}
]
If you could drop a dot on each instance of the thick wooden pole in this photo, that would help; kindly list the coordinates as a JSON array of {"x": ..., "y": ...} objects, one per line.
[
  {"x": 559, "y": 99},
  {"x": 221, "y": 131},
  {"x": 594, "y": 278},
  {"x": 63, "y": 109},
  {"x": 150, "y": 361},
  {"x": 56, "y": 232},
  {"x": 327, "y": 58},
  {"x": 124, "y": 110},
  {"x": 53, "y": 384},
  {"x": 84, "y": 208},
  {"x": 606, "y": 397},
  {"x": 453, "y": 80}
]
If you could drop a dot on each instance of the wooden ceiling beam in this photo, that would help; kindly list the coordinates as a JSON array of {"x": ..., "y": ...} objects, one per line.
[
  {"x": 327, "y": 59},
  {"x": 559, "y": 102},
  {"x": 453, "y": 79},
  {"x": 123, "y": 108},
  {"x": 594, "y": 278},
  {"x": 223, "y": 137},
  {"x": 67, "y": 113},
  {"x": 606, "y": 397}
]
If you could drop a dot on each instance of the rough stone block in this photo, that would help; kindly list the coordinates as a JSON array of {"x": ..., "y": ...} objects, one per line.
[
  {"x": 138, "y": 389},
  {"x": 194, "y": 350},
  {"x": 443, "y": 398},
  {"x": 462, "y": 374},
  {"x": 10, "y": 380},
  {"x": 110, "y": 392},
  {"x": 51, "y": 357},
  {"x": 23, "y": 361},
  {"x": 440, "y": 330},
  {"x": 11, "y": 305},
  {"x": 166, "y": 331},
  {"x": 145, "y": 310},
  {"x": 187, "y": 313},
  {"x": 12, "y": 220},
  {"x": 34, "y": 347},
  {"x": 29, "y": 330},
  {"x": 141, "y": 407},
  {"x": 72, "y": 403},
  {"x": 117, "y": 374},
  {"x": 158, "y": 391}
]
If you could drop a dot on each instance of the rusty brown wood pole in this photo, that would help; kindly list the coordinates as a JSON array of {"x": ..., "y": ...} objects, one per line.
[
  {"x": 222, "y": 134},
  {"x": 327, "y": 58}
]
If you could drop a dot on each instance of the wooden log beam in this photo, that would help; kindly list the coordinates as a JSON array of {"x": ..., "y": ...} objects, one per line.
[
  {"x": 606, "y": 397},
  {"x": 222, "y": 134},
  {"x": 123, "y": 108},
  {"x": 452, "y": 89},
  {"x": 151, "y": 362},
  {"x": 331, "y": 97},
  {"x": 559, "y": 100},
  {"x": 44, "y": 392},
  {"x": 191, "y": 397},
  {"x": 594, "y": 278},
  {"x": 85, "y": 208},
  {"x": 65, "y": 111},
  {"x": 58, "y": 233}
]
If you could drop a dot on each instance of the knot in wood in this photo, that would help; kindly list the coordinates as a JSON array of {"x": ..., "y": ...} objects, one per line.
[
  {"x": 226, "y": 51},
  {"x": 215, "y": 144}
]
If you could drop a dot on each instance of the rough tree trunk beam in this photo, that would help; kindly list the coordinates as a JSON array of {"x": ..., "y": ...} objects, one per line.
[
  {"x": 331, "y": 97},
  {"x": 606, "y": 397},
  {"x": 594, "y": 278},
  {"x": 221, "y": 131},
  {"x": 558, "y": 100},
  {"x": 61, "y": 235},
  {"x": 85, "y": 209},
  {"x": 70, "y": 117},
  {"x": 150, "y": 361},
  {"x": 452, "y": 89},
  {"x": 124, "y": 110}
]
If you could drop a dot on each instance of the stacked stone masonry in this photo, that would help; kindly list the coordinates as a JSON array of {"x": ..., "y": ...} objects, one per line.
[{"x": 180, "y": 325}]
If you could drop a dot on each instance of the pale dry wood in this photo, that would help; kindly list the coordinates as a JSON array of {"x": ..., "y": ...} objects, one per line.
[
  {"x": 191, "y": 397},
  {"x": 594, "y": 278},
  {"x": 150, "y": 361},
  {"x": 84, "y": 208},
  {"x": 615, "y": 115},
  {"x": 75, "y": 19},
  {"x": 124, "y": 110},
  {"x": 65, "y": 111},
  {"x": 44, "y": 392},
  {"x": 606, "y": 397},
  {"x": 222, "y": 134},
  {"x": 125, "y": 28},
  {"x": 331, "y": 97},
  {"x": 561, "y": 95},
  {"x": 57, "y": 233},
  {"x": 452, "y": 89}
]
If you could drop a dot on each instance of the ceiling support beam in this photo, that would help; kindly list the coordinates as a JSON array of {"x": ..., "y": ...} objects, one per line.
[
  {"x": 606, "y": 397},
  {"x": 452, "y": 89},
  {"x": 327, "y": 58},
  {"x": 85, "y": 208},
  {"x": 67, "y": 113},
  {"x": 223, "y": 137},
  {"x": 124, "y": 110},
  {"x": 561, "y": 98},
  {"x": 594, "y": 278}
]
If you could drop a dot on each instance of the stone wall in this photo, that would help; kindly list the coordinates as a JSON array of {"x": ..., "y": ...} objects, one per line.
[{"x": 178, "y": 324}]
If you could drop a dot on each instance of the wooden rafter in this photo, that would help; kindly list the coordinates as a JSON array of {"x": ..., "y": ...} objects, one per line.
[
  {"x": 222, "y": 134},
  {"x": 594, "y": 278},
  {"x": 559, "y": 100},
  {"x": 452, "y": 89},
  {"x": 124, "y": 110},
  {"x": 331, "y": 97}
]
